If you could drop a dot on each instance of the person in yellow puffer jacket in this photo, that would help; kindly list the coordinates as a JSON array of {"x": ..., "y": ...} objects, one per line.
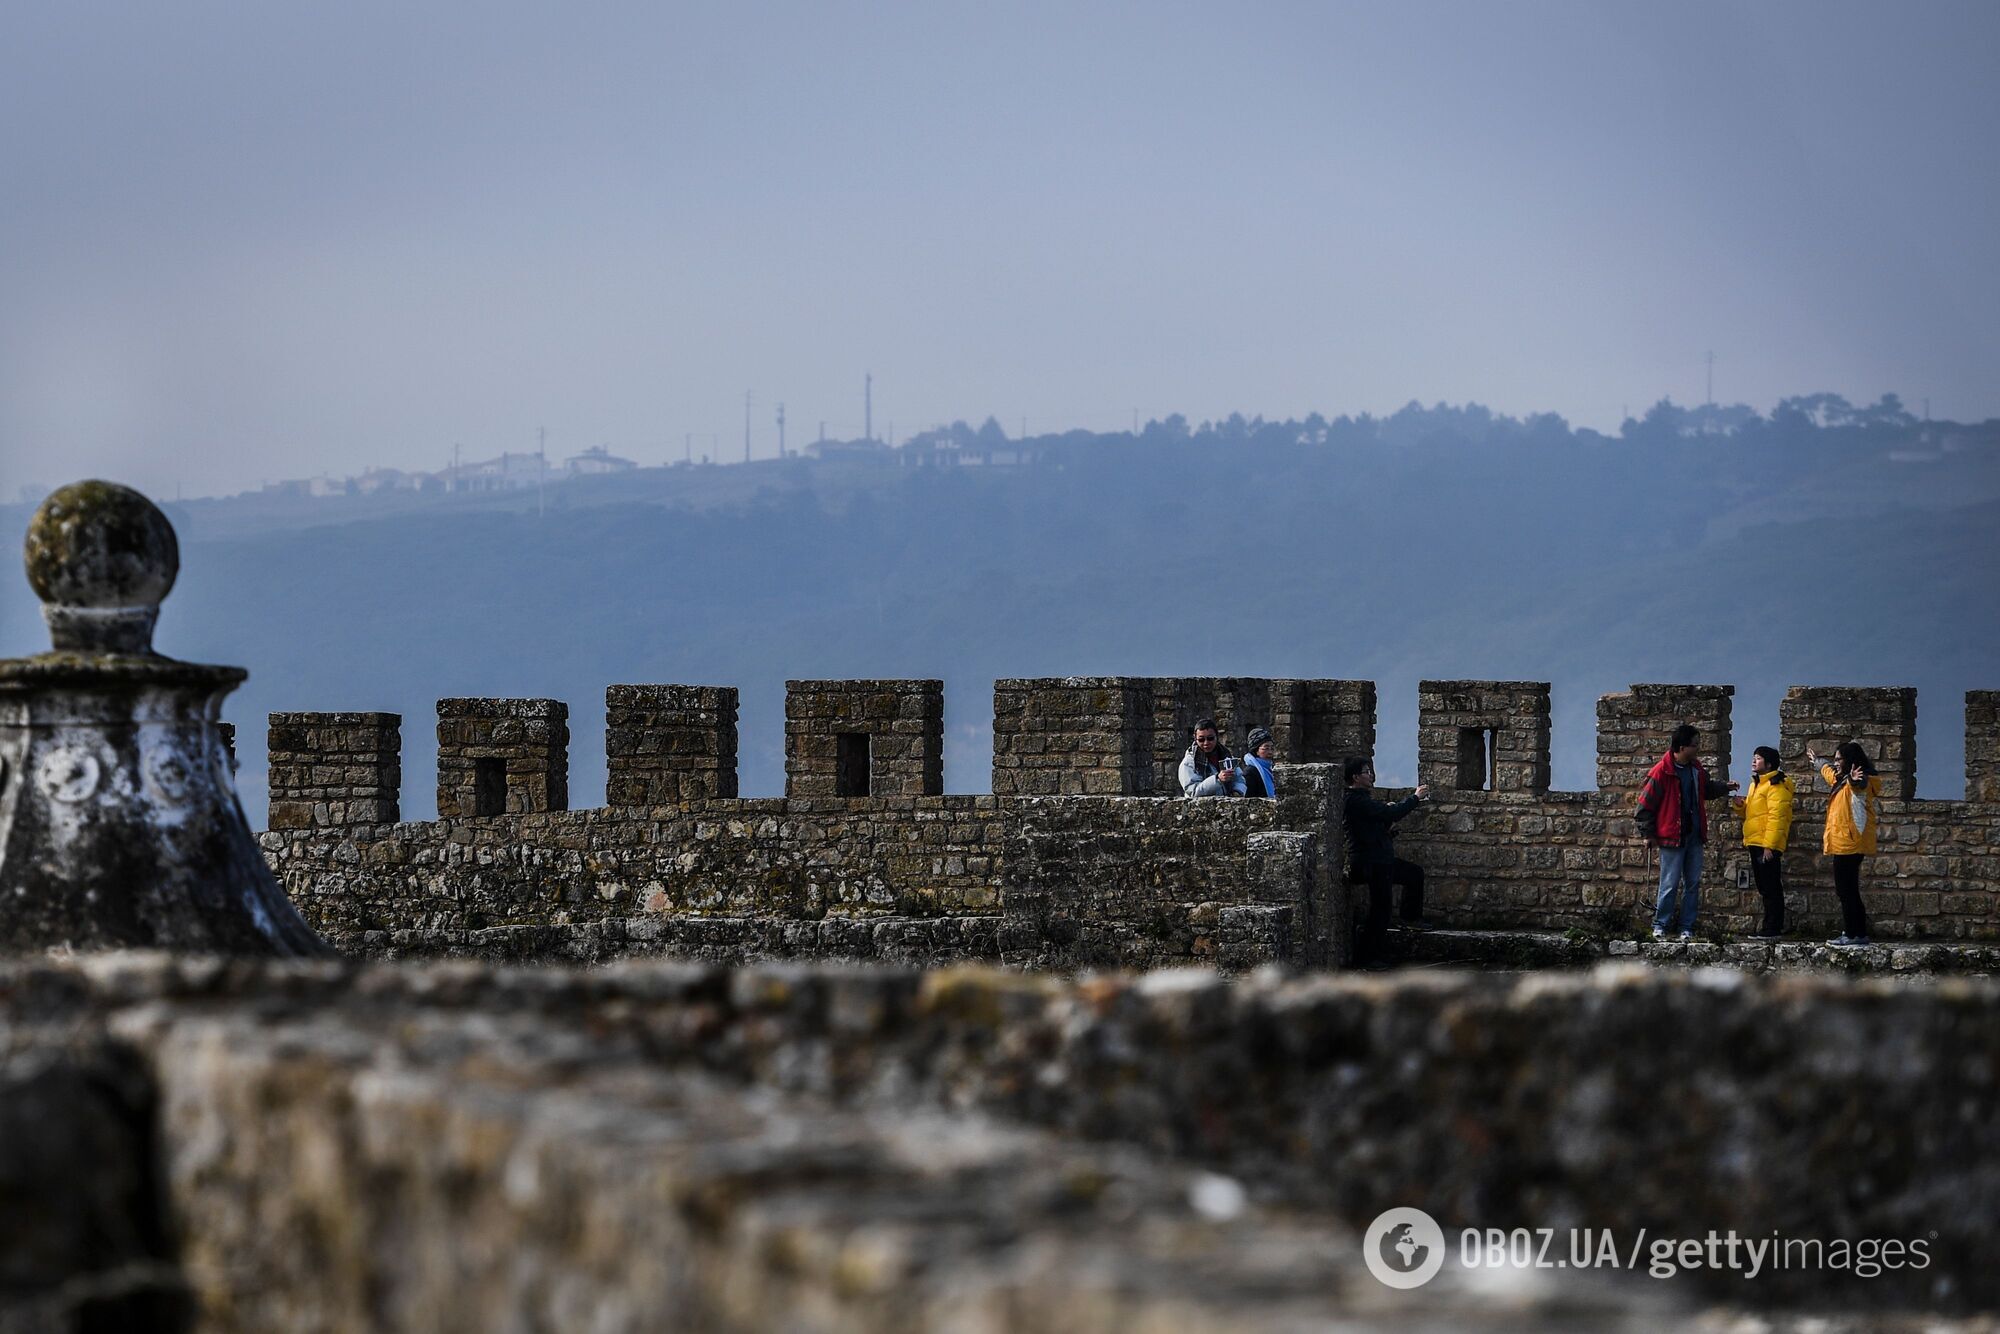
[
  {"x": 1767, "y": 825},
  {"x": 1852, "y": 817}
]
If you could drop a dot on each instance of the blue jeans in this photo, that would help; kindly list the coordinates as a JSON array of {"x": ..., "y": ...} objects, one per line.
[{"x": 1680, "y": 865}]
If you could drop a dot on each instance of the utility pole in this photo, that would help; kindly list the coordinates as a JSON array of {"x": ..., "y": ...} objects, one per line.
[
  {"x": 746, "y": 425},
  {"x": 781, "y": 430},
  {"x": 541, "y": 471},
  {"x": 1711, "y": 377},
  {"x": 868, "y": 406},
  {"x": 1135, "y": 421}
]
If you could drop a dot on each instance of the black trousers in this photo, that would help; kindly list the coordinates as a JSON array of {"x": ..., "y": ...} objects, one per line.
[
  {"x": 1847, "y": 884},
  {"x": 1381, "y": 879},
  {"x": 1768, "y": 868}
]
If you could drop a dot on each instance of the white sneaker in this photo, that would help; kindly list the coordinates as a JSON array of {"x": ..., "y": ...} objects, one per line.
[
  {"x": 1659, "y": 933},
  {"x": 1686, "y": 936}
]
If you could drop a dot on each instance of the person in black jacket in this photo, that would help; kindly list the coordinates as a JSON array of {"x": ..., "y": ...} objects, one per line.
[{"x": 1371, "y": 837}]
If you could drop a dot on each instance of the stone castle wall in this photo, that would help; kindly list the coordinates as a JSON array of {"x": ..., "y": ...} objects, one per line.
[
  {"x": 1558, "y": 859},
  {"x": 1042, "y": 882},
  {"x": 1066, "y": 866}
]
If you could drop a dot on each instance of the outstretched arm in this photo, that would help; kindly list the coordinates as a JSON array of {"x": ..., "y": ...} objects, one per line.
[{"x": 1387, "y": 812}]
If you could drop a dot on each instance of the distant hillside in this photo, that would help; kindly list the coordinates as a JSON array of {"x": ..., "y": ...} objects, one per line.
[{"x": 1763, "y": 559}]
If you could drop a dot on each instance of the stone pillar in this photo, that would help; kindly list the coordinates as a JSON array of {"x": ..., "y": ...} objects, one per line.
[
  {"x": 1282, "y": 878},
  {"x": 1633, "y": 729},
  {"x": 1982, "y": 745},
  {"x": 502, "y": 757},
  {"x": 668, "y": 744},
  {"x": 334, "y": 769},
  {"x": 119, "y": 825},
  {"x": 1073, "y": 735},
  {"x": 1312, "y": 798},
  {"x": 864, "y": 738},
  {"x": 1475, "y": 736},
  {"x": 1883, "y": 720}
]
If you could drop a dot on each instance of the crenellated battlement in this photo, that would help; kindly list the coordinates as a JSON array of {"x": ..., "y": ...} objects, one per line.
[
  {"x": 1078, "y": 857},
  {"x": 1061, "y": 736},
  {"x": 1125, "y": 735},
  {"x": 1483, "y": 736},
  {"x": 667, "y": 744},
  {"x": 864, "y": 738},
  {"x": 1884, "y": 721},
  {"x": 1633, "y": 727}
]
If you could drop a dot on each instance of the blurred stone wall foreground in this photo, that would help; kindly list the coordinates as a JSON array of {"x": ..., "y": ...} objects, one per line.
[{"x": 650, "y": 1146}]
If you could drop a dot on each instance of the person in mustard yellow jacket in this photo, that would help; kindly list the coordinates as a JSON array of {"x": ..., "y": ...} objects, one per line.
[
  {"x": 1767, "y": 825},
  {"x": 1851, "y": 820}
]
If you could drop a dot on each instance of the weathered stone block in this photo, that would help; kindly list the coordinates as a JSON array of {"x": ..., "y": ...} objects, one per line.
[
  {"x": 502, "y": 756},
  {"x": 314, "y": 755},
  {"x": 1882, "y": 720},
  {"x": 1633, "y": 730},
  {"x": 1483, "y": 735},
  {"x": 842, "y": 739},
  {"x": 669, "y": 743},
  {"x": 1982, "y": 746}
]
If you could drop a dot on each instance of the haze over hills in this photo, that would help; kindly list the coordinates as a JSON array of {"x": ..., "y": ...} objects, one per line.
[{"x": 1708, "y": 546}]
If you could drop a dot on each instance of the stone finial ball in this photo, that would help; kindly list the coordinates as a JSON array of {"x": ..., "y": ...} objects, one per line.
[{"x": 101, "y": 545}]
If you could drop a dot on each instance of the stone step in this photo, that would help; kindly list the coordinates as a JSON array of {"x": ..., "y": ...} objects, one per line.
[{"x": 1505, "y": 950}]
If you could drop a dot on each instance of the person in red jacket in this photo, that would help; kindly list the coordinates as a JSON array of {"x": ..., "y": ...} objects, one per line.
[{"x": 1673, "y": 817}]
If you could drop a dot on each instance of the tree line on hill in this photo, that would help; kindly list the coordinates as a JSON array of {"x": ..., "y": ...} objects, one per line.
[{"x": 1435, "y": 542}]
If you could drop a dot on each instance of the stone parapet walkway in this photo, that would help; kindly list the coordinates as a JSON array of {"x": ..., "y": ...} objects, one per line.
[{"x": 1551, "y": 949}]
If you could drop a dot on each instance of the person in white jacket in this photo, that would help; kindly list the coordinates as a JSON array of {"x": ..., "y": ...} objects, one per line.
[{"x": 1208, "y": 769}]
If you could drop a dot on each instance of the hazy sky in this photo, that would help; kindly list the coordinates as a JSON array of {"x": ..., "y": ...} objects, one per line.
[{"x": 250, "y": 241}]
